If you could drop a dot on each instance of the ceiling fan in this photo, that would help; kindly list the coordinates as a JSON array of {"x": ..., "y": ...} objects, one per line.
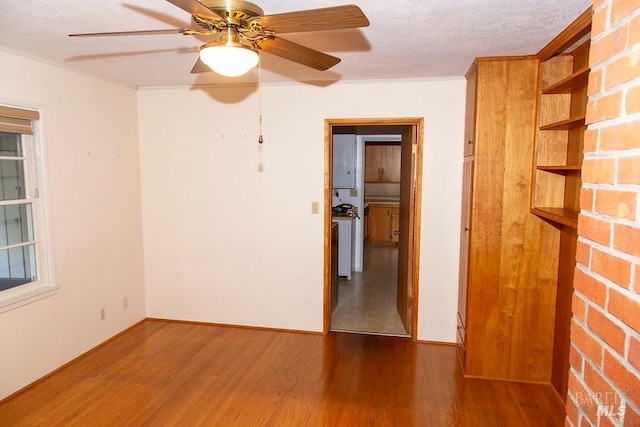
[{"x": 241, "y": 30}]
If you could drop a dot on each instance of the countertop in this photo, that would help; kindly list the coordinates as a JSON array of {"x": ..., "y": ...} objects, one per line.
[
  {"x": 382, "y": 200},
  {"x": 338, "y": 217}
]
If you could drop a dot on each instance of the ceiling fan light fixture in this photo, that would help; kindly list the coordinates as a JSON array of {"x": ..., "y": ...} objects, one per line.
[{"x": 230, "y": 59}]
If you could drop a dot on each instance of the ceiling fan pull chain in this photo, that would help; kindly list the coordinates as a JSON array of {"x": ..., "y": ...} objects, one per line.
[{"x": 260, "y": 138}]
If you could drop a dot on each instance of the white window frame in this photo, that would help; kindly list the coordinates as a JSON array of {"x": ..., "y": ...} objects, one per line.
[{"x": 36, "y": 194}]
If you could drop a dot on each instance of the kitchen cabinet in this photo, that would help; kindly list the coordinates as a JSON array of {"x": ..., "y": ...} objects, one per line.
[
  {"x": 384, "y": 223},
  {"x": 344, "y": 161},
  {"x": 382, "y": 162}
]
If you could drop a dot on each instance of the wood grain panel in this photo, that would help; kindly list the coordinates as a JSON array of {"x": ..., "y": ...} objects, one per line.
[
  {"x": 529, "y": 292},
  {"x": 401, "y": 219},
  {"x": 561, "y": 338},
  {"x": 511, "y": 278},
  {"x": 486, "y": 218}
]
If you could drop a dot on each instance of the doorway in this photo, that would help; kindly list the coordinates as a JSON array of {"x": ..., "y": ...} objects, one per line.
[{"x": 390, "y": 269}]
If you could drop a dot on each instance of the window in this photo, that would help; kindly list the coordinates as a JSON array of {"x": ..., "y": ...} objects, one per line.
[{"x": 24, "y": 272}]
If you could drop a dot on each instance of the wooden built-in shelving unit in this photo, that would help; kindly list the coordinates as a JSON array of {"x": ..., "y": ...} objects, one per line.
[
  {"x": 559, "y": 143},
  {"x": 557, "y": 164},
  {"x": 524, "y": 138}
]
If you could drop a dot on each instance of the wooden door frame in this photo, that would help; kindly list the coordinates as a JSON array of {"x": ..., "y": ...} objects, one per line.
[{"x": 414, "y": 257}]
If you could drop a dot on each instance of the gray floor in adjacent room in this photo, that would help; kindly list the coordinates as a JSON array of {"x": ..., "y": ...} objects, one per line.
[{"x": 367, "y": 302}]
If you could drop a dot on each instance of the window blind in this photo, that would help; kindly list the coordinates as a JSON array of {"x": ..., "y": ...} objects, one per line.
[{"x": 17, "y": 120}]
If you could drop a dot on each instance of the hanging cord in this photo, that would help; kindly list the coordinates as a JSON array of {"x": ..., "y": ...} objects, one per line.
[{"x": 260, "y": 139}]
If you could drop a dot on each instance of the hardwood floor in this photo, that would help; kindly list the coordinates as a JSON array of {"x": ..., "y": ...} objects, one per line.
[
  {"x": 368, "y": 302},
  {"x": 176, "y": 374}
]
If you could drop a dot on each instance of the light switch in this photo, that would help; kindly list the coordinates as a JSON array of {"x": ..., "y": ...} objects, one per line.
[{"x": 315, "y": 207}]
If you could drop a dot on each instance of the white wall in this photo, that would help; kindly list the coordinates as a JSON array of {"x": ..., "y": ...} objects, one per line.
[
  {"x": 228, "y": 232},
  {"x": 89, "y": 129}
]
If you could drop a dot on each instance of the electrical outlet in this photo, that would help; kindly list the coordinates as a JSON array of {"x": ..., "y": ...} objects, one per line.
[
  {"x": 125, "y": 303},
  {"x": 103, "y": 314}
]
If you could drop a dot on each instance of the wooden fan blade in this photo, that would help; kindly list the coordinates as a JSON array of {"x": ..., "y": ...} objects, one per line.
[
  {"x": 195, "y": 8},
  {"x": 298, "y": 53},
  {"x": 200, "y": 67},
  {"x": 132, "y": 33},
  {"x": 328, "y": 18}
]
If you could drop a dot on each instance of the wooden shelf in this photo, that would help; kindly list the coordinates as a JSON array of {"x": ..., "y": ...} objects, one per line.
[
  {"x": 575, "y": 81},
  {"x": 571, "y": 123},
  {"x": 562, "y": 216},
  {"x": 559, "y": 169}
]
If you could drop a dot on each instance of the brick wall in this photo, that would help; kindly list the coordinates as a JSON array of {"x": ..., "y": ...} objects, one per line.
[{"x": 604, "y": 381}]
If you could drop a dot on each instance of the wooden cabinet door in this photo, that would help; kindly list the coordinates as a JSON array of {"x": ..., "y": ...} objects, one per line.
[
  {"x": 465, "y": 230},
  {"x": 510, "y": 296},
  {"x": 379, "y": 224},
  {"x": 394, "y": 222},
  {"x": 390, "y": 163},
  {"x": 382, "y": 163},
  {"x": 372, "y": 163}
]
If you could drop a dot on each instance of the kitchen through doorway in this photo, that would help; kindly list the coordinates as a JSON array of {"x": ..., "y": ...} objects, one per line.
[{"x": 370, "y": 235}]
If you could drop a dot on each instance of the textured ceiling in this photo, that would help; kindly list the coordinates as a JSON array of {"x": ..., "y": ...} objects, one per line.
[{"x": 407, "y": 39}]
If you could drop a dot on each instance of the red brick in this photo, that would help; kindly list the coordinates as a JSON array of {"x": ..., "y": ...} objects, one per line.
[
  {"x": 622, "y": 70},
  {"x": 633, "y": 100},
  {"x": 604, "y": 107},
  {"x": 634, "y": 31},
  {"x": 599, "y": 21},
  {"x": 625, "y": 307},
  {"x": 634, "y": 351},
  {"x": 572, "y": 414},
  {"x": 598, "y": 3},
  {"x": 621, "y": 9},
  {"x": 583, "y": 397},
  {"x": 608, "y": 331},
  {"x": 610, "y": 44},
  {"x": 595, "y": 82},
  {"x": 631, "y": 418},
  {"x": 627, "y": 239},
  {"x": 591, "y": 137},
  {"x": 586, "y": 199},
  {"x": 579, "y": 307},
  {"x": 621, "y": 136},
  {"x": 626, "y": 381},
  {"x": 590, "y": 287},
  {"x": 599, "y": 170},
  {"x": 595, "y": 229},
  {"x": 583, "y": 254},
  {"x": 584, "y": 341},
  {"x": 603, "y": 421},
  {"x": 619, "y": 204},
  {"x": 575, "y": 359},
  {"x": 611, "y": 267},
  {"x": 629, "y": 170}
]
